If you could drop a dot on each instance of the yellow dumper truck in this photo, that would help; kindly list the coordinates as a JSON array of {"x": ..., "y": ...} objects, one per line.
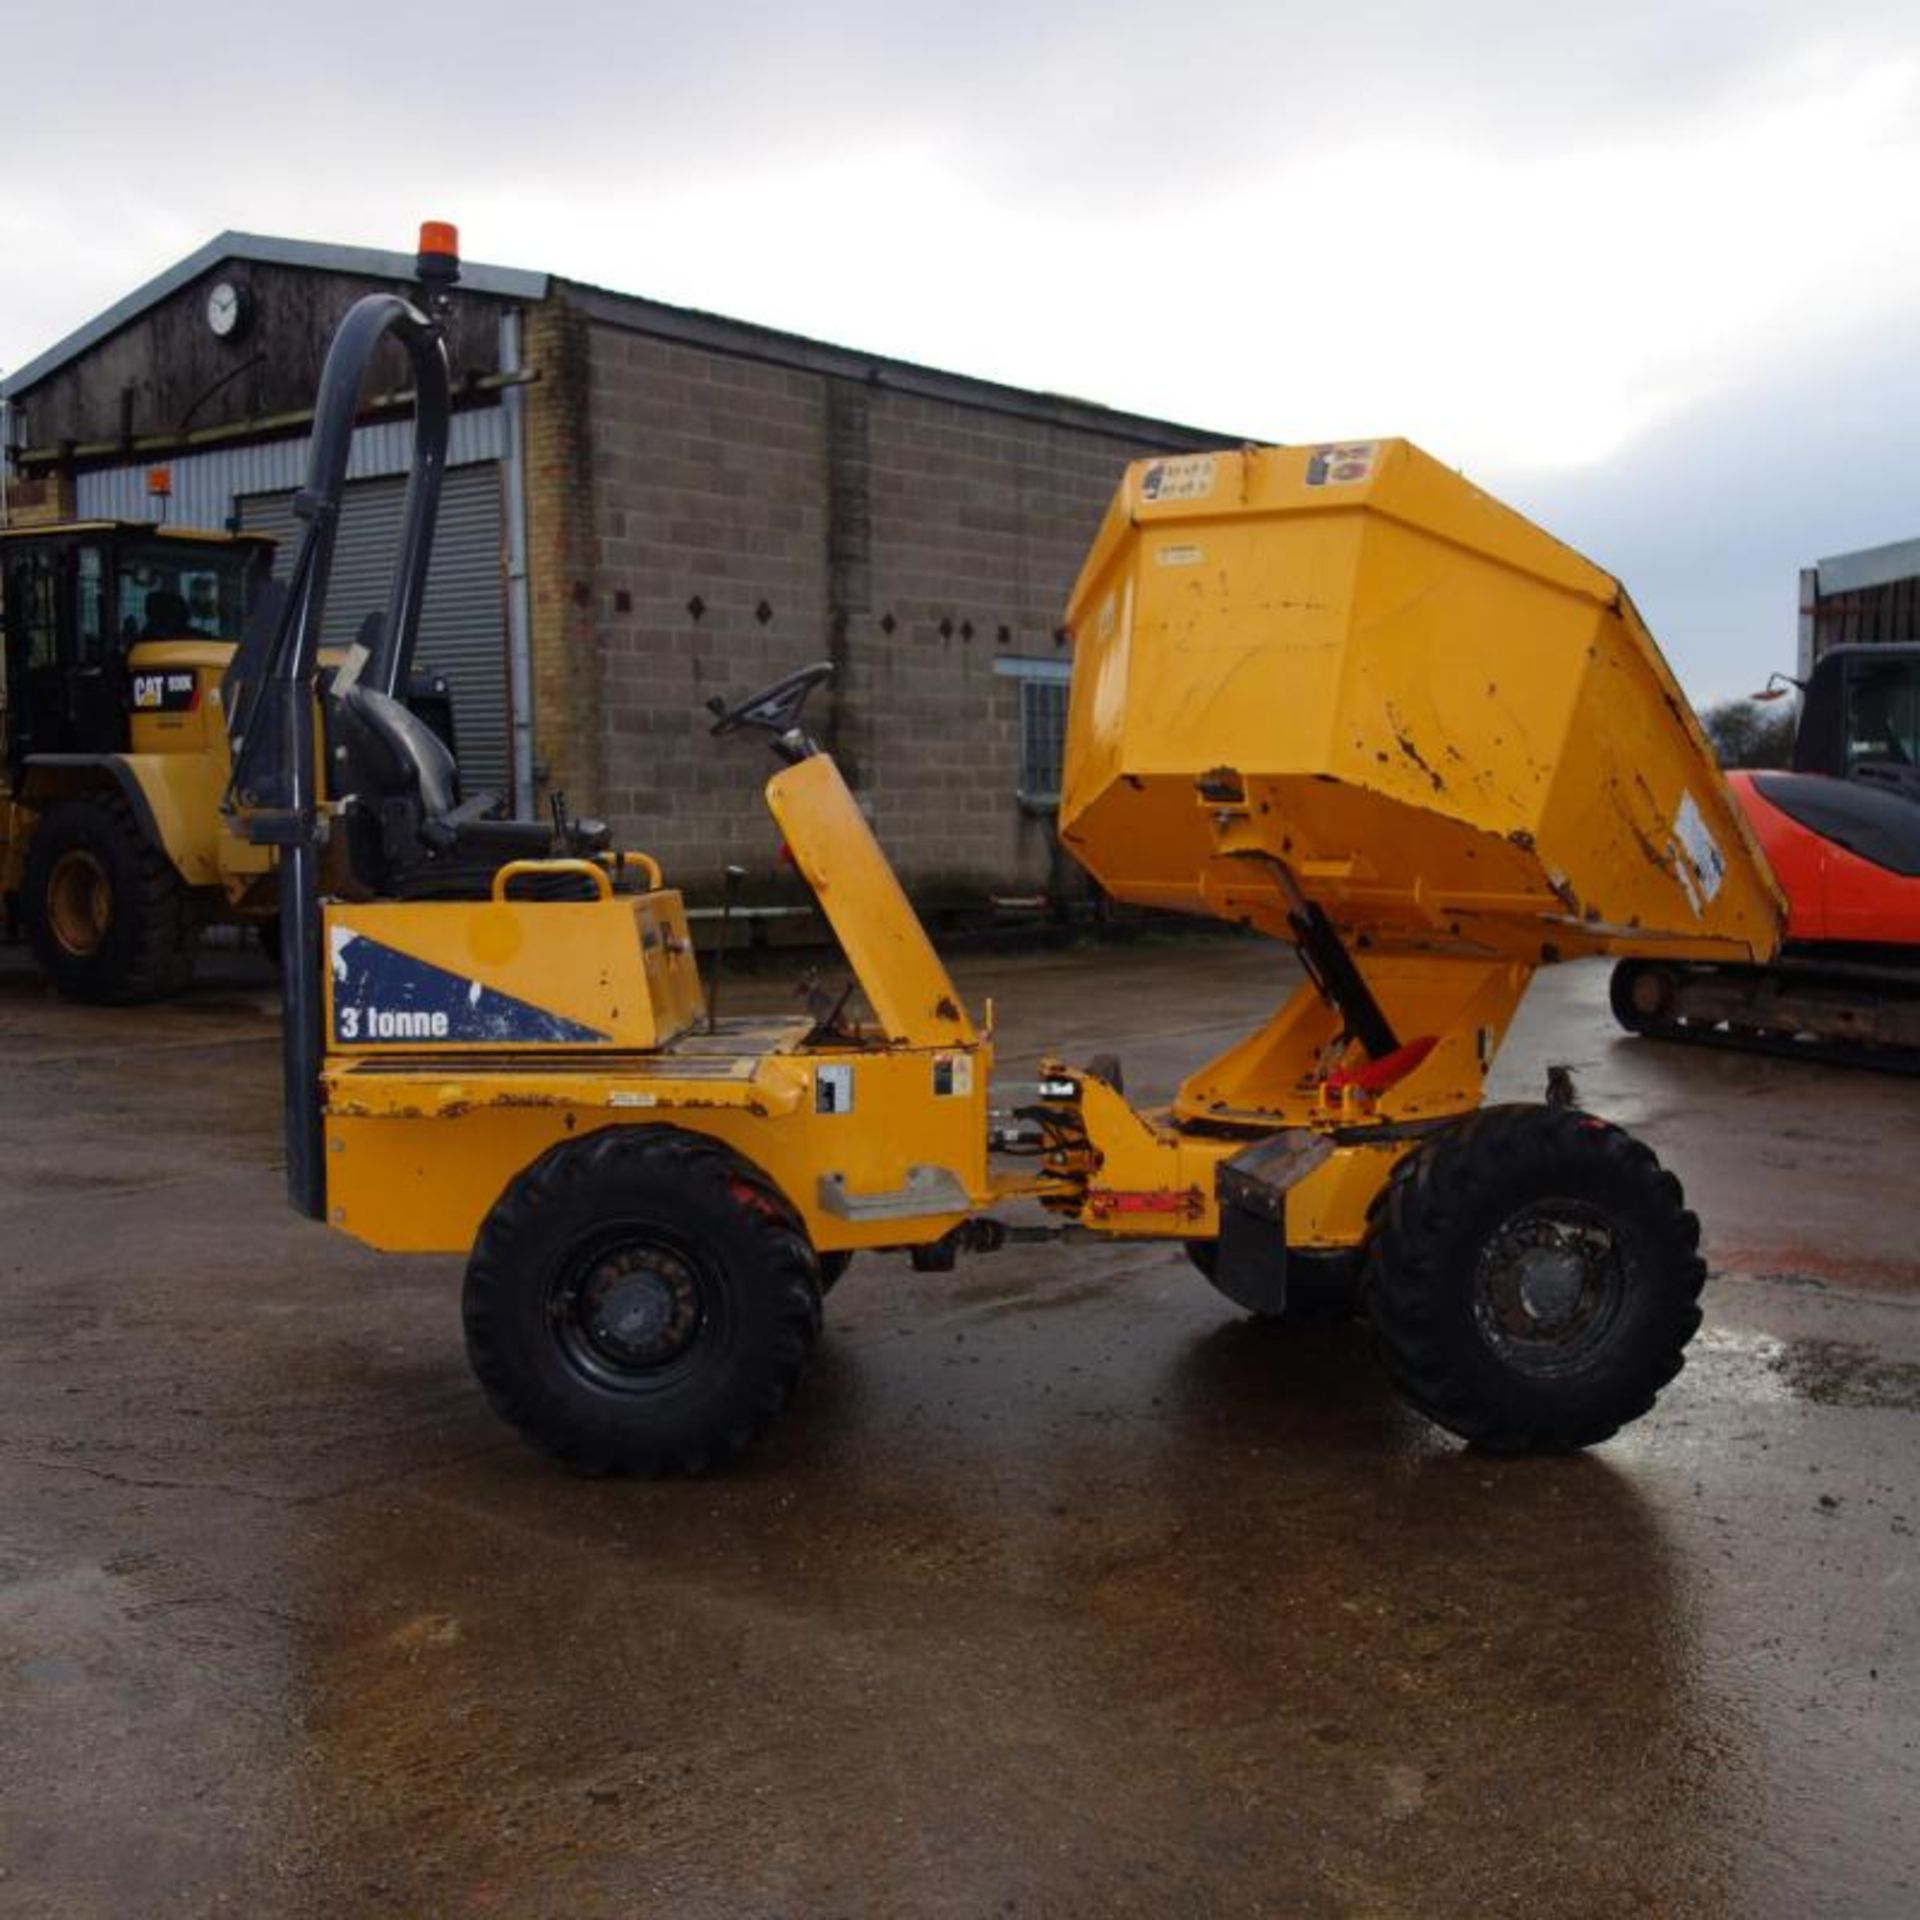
[{"x": 1336, "y": 694}]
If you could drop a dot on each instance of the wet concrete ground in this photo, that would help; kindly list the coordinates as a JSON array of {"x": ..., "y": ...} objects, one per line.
[{"x": 1062, "y": 1591}]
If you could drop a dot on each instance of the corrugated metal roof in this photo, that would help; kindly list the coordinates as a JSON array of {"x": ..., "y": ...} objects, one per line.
[
  {"x": 371, "y": 263},
  {"x": 205, "y": 485},
  {"x": 1870, "y": 567},
  {"x": 745, "y": 339},
  {"x": 749, "y": 340}
]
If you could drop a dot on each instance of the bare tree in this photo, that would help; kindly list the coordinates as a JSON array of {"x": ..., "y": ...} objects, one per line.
[{"x": 1746, "y": 734}]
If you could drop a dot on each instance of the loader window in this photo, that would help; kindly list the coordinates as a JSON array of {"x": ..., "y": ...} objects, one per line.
[
  {"x": 91, "y": 609},
  {"x": 168, "y": 591},
  {"x": 1883, "y": 713},
  {"x": 33, "y": 624}
]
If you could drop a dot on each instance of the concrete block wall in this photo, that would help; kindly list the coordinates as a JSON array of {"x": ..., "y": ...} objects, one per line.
[
  {"x": 561, "y": 548},
  {"x": 709, "y": 578},
  {"x": 980, "y": 521},
  {"x": 746, "y": 517}
]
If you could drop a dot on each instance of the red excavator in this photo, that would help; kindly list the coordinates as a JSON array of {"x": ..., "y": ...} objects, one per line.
[{"x": 1841, "y": 831}]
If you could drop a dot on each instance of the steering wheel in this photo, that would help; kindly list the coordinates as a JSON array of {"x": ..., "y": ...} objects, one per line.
[{"x": 775, "y": 709}]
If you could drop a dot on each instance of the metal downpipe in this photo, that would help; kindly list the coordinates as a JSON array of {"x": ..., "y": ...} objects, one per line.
[{"x": 513, "y": 405}]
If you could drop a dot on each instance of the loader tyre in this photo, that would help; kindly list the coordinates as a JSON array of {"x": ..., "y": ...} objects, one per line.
[
  {"x": 1533, "y": 1279},
  {"x": 109, "y": 919},
  {"x": 640, "y": 1301}
]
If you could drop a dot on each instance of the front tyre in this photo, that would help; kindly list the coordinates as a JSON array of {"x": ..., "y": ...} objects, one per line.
[
  {"x": 1533, "y": 1279},
  {"x": 109, "y": 919},
  {"x": 641, "y": 1301}
]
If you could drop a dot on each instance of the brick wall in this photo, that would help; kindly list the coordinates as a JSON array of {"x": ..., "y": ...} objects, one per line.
[
  {"x": 561, "y": 559},
  {"x": 38, "y": 499},
  {"x": 709, "y": 578},
  {"x": 980, "y": 522},
  {"x": 734, "y": 518}
]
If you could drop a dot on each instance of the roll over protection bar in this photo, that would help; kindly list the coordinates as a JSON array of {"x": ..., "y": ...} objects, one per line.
[{"x": 270, "y": 702}]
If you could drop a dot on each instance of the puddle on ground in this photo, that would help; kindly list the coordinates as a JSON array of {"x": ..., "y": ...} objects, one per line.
[
  {"x": 1753, "y": 1359},
  {"x": 1834, "y": 1373},
  {"x": 1826, "y": 1373}
]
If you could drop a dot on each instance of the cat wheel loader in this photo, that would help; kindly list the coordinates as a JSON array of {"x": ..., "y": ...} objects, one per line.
[
  {"x": 1335, "y": 694},
  {"x": 120, "y": 637},
  {"x": 112, "y": 848}
]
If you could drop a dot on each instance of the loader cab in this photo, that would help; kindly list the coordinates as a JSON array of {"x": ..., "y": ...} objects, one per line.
[
  {"x": 1861, "y": 720},
  {"x": 76, "y": 601}
]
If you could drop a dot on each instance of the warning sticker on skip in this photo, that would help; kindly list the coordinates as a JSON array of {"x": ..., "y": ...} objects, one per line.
[
  {"x": 1343, "y": 466},
  {"x": 1188, "y": 478},
  {"x": 1702, "y": 852}
]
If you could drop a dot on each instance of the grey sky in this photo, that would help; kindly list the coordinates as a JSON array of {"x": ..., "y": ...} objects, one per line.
[{"x": 1648, "y": 271}]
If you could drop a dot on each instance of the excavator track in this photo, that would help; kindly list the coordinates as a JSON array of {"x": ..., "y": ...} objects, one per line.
[{"x": 1805, "y": 1007}]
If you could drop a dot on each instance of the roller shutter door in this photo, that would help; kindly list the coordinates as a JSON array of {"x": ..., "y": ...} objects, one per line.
[{"x": 463, "y": 626}]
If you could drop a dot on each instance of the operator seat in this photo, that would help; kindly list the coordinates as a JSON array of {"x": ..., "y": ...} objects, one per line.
[
  {"x": 410, "y": 835},
  {"x": 167, "y": 616}
]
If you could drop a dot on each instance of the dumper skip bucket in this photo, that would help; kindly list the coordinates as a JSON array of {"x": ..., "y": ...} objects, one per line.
[{"x": 1344, "y": 672}]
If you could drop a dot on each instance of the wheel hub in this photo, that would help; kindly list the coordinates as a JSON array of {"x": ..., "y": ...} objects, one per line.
[
  {"x": 1548, "y": 1284},
  {"x": 79, "y": 902},
  {"x": 630, "y": 1310}
]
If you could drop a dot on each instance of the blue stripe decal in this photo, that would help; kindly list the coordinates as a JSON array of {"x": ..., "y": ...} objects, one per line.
[{"x": 384, "y": 996}]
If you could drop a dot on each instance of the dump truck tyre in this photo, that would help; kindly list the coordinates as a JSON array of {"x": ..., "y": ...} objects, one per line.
[
  {"x": 109, "y": 919},
  {"x": 1320, "y": 1292},
  {"x": 1533, "y": 1279},
  {"x": 641, "y": 1301}
]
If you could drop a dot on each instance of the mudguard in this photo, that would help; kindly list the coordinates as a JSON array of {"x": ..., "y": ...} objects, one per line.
[{"x": 175, "y": 798}]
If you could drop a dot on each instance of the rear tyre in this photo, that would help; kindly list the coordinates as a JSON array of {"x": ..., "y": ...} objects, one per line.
[
  {"x": 1323, "y": 1289},
  {"x": 641, "y": 1301},
  {"x": 108, "y": 917},
  {"x": 1533, "y": 1279}
]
